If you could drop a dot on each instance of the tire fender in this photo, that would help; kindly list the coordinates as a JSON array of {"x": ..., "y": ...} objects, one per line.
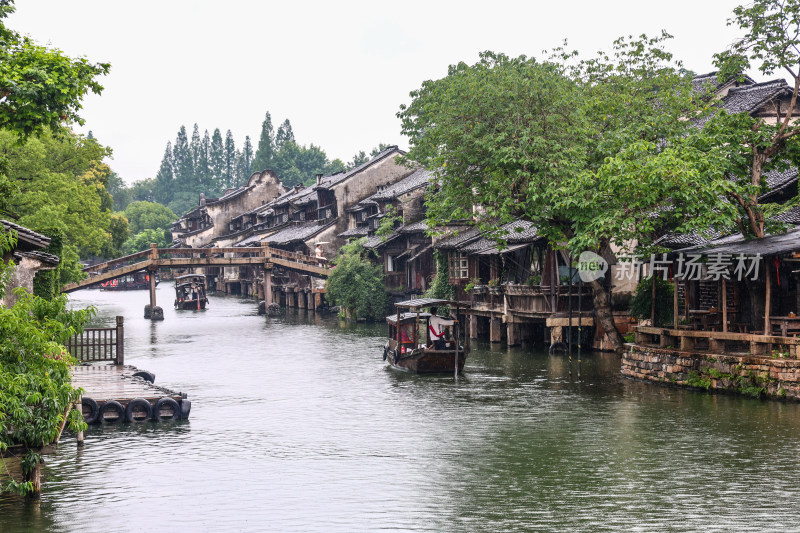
[
  {"x": 94, "y": 410},
  {"x": 186, "y": 407},
  {"x": 396, "y": 355},
  {"x": 109, "y": 406},
  {"x": 557, "y": 346},
  {"x": 142, "y": 404},
  {"x": 145, "y": 375},
  {"x": 167, "y": 402}
]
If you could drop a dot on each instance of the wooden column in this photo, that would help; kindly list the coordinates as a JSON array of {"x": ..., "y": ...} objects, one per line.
[
  {"x": 675, "y": 304},
  {"x": 512, "y": 333},
  {"x": 120, "y": 341},
  {"x": 724, "y": 306},
  {"x": 767, "y": 329},
  {"x": 267, "y": 286},
  {"x": 473, "y": 326},
  {"x": 152, "y": 289},
  {"x": 495, "y": 329}
]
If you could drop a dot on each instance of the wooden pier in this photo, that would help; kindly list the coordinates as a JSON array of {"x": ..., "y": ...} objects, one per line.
[{"x": 123, "y": 393}]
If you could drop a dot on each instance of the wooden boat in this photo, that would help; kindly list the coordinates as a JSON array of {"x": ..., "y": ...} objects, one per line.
[
  {"x": 190, "y": 292},
  {"x": 130, "y": 282},
  {"x": 423, "y": 342}
]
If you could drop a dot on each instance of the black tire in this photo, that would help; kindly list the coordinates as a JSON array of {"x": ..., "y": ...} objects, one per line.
[
  {"x": 186, "y": 407},
  {"x": 396, "y": 355},
  {"x": 385, "y": 352},
  {"x": 145, "y": 375},
  {"x": 557, "y": 346},
  {"x": 163, "y": 403},
  {"x": 109, "y": 406},
  {"x": 94, "y": 410},
  {"x": 139, "y": 403}
]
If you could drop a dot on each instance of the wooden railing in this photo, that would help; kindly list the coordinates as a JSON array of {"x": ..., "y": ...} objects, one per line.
[
  {"x": 99, "y": 344},
  {"x": 717, "y": 341}
]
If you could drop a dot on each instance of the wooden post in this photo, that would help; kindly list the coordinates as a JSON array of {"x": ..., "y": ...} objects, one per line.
[
  {"x": 152, "y": 288},
  {"x": 767, "y": 329},
  {"x": 675, "y": 303},
  {"x": 455, "y": 365},
  {"x": 653, "y": 301},
  {"x": 79, "y": 407},
  {"x": 120, "y": 341},
  {"x": 473, "y": 326},
  {"x": 724, "y": 306}
]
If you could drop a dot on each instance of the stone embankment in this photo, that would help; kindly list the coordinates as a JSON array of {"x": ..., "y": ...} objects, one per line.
[{"x": 773, "y": 377}]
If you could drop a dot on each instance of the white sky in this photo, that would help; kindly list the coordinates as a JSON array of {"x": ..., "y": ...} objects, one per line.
[{"x": 338, "y": 70}]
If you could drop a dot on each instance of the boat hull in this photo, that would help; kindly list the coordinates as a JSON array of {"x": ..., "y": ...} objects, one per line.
[
  {"x": 189, "y": 305},
  {"x": 427, "y": 361}
]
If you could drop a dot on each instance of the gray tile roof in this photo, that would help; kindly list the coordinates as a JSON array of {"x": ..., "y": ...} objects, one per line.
[
  {"x": 414, "y": 227},
  {"x": 751, "y": 97},
  {"x": 330, "y": 181},
  {"x": 462, "y": 237},
  {"x": 374, "y": 241},
  {"x": 736, "y": 244},
  {"x": 355, "y": 232},
  {"x": 792, "y": 216},
  {"x": 26, "y": 237},
  {"x": 295, "y": 233},
  {"x": 419, "y": 178}
]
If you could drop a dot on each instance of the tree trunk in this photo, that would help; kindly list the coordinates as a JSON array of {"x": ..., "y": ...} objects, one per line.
[
  {"x": 604, "y": 315},
  {"x": 756, "y": 216}
]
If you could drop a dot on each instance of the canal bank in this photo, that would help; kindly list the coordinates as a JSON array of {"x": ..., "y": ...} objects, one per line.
[{"x": 298, "y": 425}]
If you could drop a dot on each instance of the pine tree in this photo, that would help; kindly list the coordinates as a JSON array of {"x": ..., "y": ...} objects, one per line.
[
  {"x": 182, "y": 161},
  {"x": 217, "y": 163},
  {"x": 165, "y": 178},
  {"x": 247, "y": 158},
  {"x": 194, "y": 150},
  {"x": 266, "y": 146},
  {"x": 230, "y": 160},
  {"x": 285, "y": 134},
  {"x": 203, "y": 167}
]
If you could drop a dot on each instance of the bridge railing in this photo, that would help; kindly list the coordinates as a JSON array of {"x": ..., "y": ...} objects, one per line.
[{"x": 116, "y": 263}]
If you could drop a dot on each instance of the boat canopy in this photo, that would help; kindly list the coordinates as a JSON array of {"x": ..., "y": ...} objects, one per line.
[
  {"x": 406, "y": 317},
  {"x": 429, "y": 302},
  {"x": 189, "y": 276}
]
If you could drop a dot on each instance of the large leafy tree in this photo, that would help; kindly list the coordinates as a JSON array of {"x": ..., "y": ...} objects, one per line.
[
  {"x": 229, "y": 174},
  {"x": 746, "y": 147},
  {"x": 40, "y": 87},
  {"x": 532, "y": 139},
  {"x": 148, "y": 215},
  {"x": 356, "y": 284}
]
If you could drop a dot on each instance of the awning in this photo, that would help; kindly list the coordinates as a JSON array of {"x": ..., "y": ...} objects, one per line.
[
  {"x": 420, "y": 252},
  {"x": 495, "y": 250}
]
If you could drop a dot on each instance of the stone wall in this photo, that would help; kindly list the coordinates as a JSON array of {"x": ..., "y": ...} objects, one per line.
[{"x": 773, "y": 377}]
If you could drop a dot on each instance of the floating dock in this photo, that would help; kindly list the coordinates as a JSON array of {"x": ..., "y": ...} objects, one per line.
[{"x": 123, "y": 393}]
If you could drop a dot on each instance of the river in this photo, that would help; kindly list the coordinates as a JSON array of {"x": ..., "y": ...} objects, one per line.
[{"x": 297, "y": 425}]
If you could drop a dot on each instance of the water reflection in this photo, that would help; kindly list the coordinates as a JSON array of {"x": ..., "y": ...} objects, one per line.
[{"x": 297, "y": 425}]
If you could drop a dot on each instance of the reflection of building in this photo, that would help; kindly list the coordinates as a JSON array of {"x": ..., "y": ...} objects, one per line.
[{"x": 28, "y": 257}]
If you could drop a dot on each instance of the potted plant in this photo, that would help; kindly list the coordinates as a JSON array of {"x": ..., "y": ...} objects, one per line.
[
  {"x": 474, "y": 286},
  {"x": 494, "y": 286}
]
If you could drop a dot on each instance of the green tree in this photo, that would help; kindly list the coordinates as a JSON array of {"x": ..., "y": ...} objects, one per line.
[
  {"x": 182, "y": 162},
  {"x": 217, "y": 163},
  {"x": 230, "y": 161},
  {"x": 746, "y": 147},
  {"x": 165, "y": 178},
  {"x": 359, "y": 159},
  {"x": 142, "y": 240},
  {"x": 148, "y": 215},
  {"x": 203, "y": 168},
  {"x": 266, "y": 146},
  {"x": 356, "y": 285},
  {"x": 41, "y": 87},
  {"x": 284, "y": 134},
  {"x": 642, "y": 301},
  {"x": 245, "y": 161},
  {"x": 528, "y": 139},
  {"x": 144, "y": 190},
  {"x": 118, "y": 191}
]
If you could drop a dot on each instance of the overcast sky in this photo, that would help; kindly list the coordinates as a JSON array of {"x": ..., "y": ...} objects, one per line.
[{"x": 338, "y": 70}]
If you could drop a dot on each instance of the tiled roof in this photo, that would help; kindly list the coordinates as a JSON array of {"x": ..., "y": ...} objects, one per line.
[
  {"x": 374, "y": 241},
  {"x": 777, "y": 181},
  {"x": 330, "y": 181},
  {"x": 792, "y": 216},
  {"x": 26, "y": 237},
  {"x": 419, "y": 178},
  {"x": 677, "y": 240},
  {"x": 751, "y": 97},
  {"x": 414, "y": 227},
  {"x": 736, "y": 244},
  {"x": 519, "y": 231},
  {"x": 462, "y": 237},
  {"x": 295, "y": 233},
  {"x": 355, "y": 232},
  {"x": 48, "y": 259},
  {"x": 228, "y": 194}
]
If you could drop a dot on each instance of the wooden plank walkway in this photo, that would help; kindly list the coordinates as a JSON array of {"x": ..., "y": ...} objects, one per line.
[{"x": 118, "y": 383}]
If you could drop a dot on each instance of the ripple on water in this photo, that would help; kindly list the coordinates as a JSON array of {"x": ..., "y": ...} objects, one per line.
[{"x": 297, "y": 425}]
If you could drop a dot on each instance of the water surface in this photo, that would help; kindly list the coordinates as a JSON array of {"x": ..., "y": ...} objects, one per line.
[{"x": 297, "y": 425}]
